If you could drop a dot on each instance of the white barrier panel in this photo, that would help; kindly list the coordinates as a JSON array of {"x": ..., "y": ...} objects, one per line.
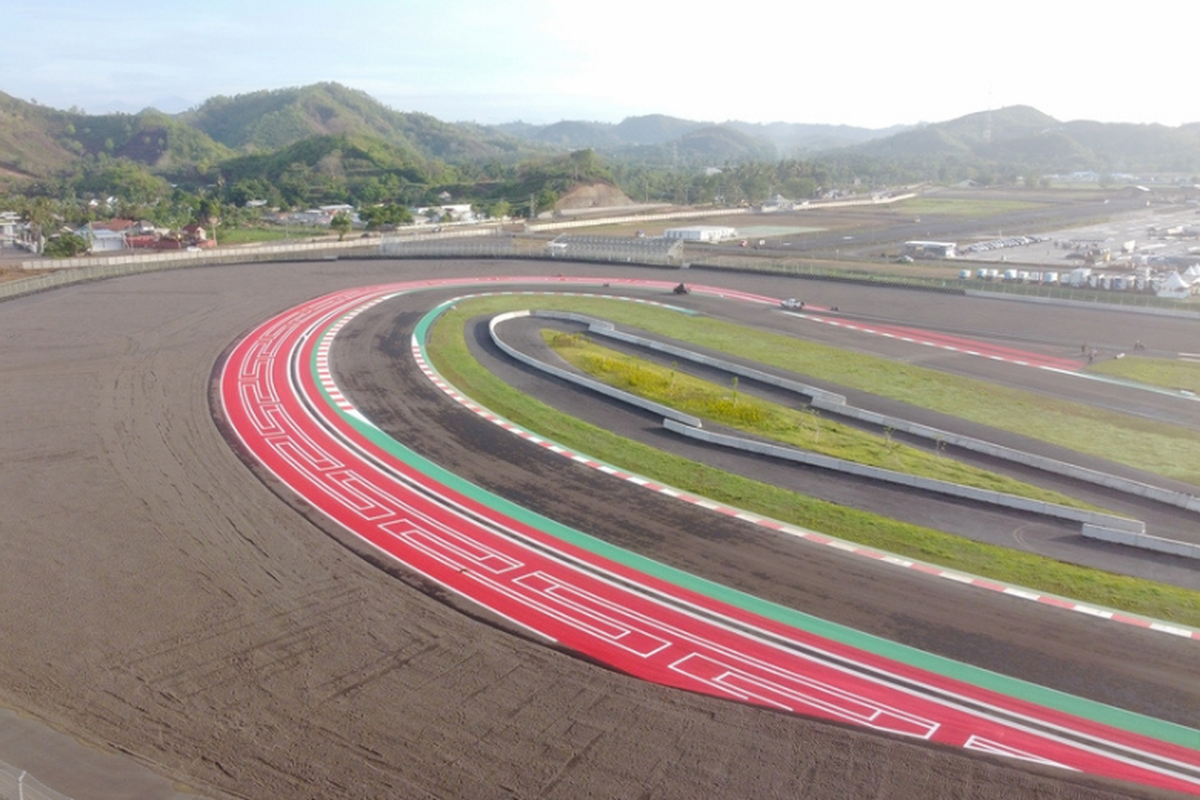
[
  {"x": 588, "y": 383},
  {"x": 1130, "y": 526},
  {"x": 836, "y": 404},
  {"x": 1143, "y": 541}
]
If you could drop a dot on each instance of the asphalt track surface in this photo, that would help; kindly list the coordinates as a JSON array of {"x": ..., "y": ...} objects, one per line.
[
  {"x": 279, "y": 396},
  {"x": 162, "y": 601},
  {"x": 1053, "y": 538}
]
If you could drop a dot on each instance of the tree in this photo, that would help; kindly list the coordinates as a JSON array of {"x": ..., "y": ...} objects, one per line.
[
  {"x": 385, "y": 215},
  {"x": 497, "y": 209},
  {"x": 66, "y": 245},
  {"x": 341, "y": 223}
]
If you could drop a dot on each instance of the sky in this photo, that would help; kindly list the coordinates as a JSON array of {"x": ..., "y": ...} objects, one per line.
[{"x": 868, "y": 63}]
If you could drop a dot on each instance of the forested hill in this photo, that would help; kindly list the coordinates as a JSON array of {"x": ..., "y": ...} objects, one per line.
[
  {"x": 328, "y": 134},
  {"x": 1023, "y": 136},
  {"x": 269, "y": 120}
]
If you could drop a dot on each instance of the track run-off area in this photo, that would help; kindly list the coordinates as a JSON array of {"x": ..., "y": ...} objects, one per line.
[{"x": 281, "y": 401}]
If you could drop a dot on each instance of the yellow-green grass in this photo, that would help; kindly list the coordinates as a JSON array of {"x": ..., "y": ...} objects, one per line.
[
  {"x": 803, "y": 429},
  {"x": 964, "y": 207},
  {"x": 272, "y": 234},
  {"x": 1156, "y": 447},
  {"x": 1164, "y": 372},
  {"x": 448, "y": 351}
]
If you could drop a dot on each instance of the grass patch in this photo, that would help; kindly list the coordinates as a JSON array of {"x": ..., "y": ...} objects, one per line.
[
  {"x": 272, "y": 234},
  {"x": 973, "y": 207},
  {"x": 1156, "y": 447},
  {"x": 1167, "y": 373},
  {"x": 447, "y": 349},
  {"x": 804, "y": 429}
]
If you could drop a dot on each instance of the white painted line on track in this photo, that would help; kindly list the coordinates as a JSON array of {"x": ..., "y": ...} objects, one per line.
[{"x": 837, "y": 544}]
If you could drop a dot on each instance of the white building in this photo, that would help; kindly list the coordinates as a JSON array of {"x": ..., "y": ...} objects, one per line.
[
  {"x": 921, "y": 249},
  {"x": 701, "y": 233},
  {"x": 104, "y": 241},
  {"x": 9, "y": 222}
]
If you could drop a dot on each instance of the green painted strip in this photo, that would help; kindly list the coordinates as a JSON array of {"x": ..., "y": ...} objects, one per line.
[{"x": 966, "y": 673}]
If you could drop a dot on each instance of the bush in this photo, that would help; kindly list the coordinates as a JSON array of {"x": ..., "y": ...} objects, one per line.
[{"x": 66, "y": 245}]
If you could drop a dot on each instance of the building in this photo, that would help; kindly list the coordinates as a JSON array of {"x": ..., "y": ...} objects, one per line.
[
  {"x": 102, "y": 240},
  {"x": 919, "y": 249},
  {"x": 701, "y": 233},
  {"x": 9, "y": 223}
]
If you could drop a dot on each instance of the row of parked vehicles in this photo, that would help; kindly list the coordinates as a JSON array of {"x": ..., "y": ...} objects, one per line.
[{"x": 998, "y": 244}]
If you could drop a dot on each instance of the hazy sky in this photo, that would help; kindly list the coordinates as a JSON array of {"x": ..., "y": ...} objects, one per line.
[{"x": 865, "y": 63}]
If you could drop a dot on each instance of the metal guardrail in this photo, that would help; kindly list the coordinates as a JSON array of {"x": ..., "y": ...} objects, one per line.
[{"x": 17, "y": 784}]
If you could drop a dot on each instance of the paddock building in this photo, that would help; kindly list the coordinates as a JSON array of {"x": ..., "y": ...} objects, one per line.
[
  {"x": 919, "y": 249},
  {"x": 701, "y": 233}
]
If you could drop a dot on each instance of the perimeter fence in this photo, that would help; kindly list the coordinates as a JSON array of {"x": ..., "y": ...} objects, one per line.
[
  {"x": 93, "y": 268},
  {"x": 17, "y": 784},
  {"x": 649, "y": 251},
  {"x": 496, "y": 244}
]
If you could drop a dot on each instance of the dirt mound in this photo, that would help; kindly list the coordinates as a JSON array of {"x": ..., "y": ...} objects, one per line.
[{"x": 596, "y": 195}]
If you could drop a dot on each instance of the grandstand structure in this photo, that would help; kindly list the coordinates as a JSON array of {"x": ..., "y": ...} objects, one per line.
[{"x": 654, "y": 250}]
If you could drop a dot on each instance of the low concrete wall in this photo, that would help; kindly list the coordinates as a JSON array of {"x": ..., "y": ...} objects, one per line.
[
  {"x": 81, "y": 270},
  {"x": 1097, "y": 525},
  {"x": 1043, "y": 463},
  {"x": 607, "y": 330},
  {"x": 228, "y": 255},
  {"x": 836, "y": 404},
  {"x": 1143, "y": 541},
  {"x": 593, "y": 385},
  {"x": 685, "y": 427},
  {"x": 1130, "y": 527}
]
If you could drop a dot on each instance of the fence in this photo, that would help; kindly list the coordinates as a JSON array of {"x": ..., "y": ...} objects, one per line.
[
  {"x": 78, "y": 270},
  {"x": 17, "y": 784},
  {"x": 604, "y": 249}
]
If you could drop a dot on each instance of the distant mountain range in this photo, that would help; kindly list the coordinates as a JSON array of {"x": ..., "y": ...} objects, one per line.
[
  {"x": 37, "y": 142},
  {"x": 669, "y": 136}
]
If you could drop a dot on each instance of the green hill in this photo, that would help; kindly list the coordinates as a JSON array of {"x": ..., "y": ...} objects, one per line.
[
  {"x": 1023, "y": 137},
  {"x": 332, "y": 168},
  {"x": 31, "y": 142},
  {"x": 268, "y": 120}
]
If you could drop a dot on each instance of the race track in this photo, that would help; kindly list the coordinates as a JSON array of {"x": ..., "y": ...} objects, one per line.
[{"x": 163, "y": 601}]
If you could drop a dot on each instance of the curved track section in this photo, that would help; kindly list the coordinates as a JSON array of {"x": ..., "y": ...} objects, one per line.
[{"x": 281, "y": 401}]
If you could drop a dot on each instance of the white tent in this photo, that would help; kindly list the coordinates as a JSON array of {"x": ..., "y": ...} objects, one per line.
[{"x": 1175, "y": 286}]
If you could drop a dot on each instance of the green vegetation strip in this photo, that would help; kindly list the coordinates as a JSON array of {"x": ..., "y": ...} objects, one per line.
[
  {"x": 1157, "y": 447},
  {"x": 964, "y": 207},
  {"x": 445, "y": 347},
  {"x": 1163, "y": 372},
  {"x": 802, "y": 429},
  {"x": 447, "y": 350},
  {"x": 273, "y": 234}
]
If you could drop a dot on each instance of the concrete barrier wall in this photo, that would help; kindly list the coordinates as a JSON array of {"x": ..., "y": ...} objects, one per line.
[
  {"x": 1142, "y": 541},
  {"x": 580, "y": 380},
  {"x": 836, "y": 404},
  {"x": 150, "y": 261},
  {"x": 80, "y": 270},
  {"x": 1043, "y": 463},
  {"x": 607, "y": 330},
  {"x": 1001, "y": 499}
]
